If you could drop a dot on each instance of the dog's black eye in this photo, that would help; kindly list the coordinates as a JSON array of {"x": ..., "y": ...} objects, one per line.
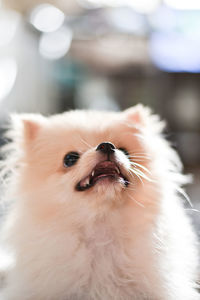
[
  {"x": 70, "y": 159},
  {"x": 124, "y": 150}
]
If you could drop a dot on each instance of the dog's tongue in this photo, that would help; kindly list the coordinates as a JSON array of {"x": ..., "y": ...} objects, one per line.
[{"x": 105, "y": 168}]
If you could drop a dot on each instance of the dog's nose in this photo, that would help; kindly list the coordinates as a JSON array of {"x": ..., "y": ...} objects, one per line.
[{"x": 106, "y": 148}]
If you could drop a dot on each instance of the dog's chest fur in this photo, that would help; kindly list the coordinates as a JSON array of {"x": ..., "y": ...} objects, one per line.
[
  {"x": 107, "y": 262},
  {"x": 97, "y": 261}
]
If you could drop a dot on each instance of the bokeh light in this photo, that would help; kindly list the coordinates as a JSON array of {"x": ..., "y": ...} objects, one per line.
[
  {"x": 183, "y": 4},
  {"x": 9, "y": 21},
  {"x": 8, "y": 73},
  {"x": 56, "y": 44},
  {"x": 175, "y": 53},
  {"x": 46, "y": 18}
]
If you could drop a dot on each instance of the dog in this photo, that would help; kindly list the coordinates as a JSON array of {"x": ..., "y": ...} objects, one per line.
[{"x": 96, "y": 210}]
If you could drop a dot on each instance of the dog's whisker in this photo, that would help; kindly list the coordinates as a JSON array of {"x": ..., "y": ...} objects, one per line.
[
  {"x": 139, "y": 153},
  {"x": 140, "y": 166},
  {"x": 141, "y": 174},
  {"x": 193, "y": 210},
  {"x": 137, "y": 175},
  {"x": 137, "y": 202},
  {"x": 140, "y": 158},
  {"x": 133, "y": 156},
  {"x": 86, "y": 143},
  {"x": 183, "y": 193}
]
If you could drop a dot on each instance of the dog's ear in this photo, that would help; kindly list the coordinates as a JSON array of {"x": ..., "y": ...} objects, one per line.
[
  {"x": 27, "y": 126},
  {"x": 142, "y": 117},
  {"x": 138, "y": 114},
  {"x": 31, "y": 128}
]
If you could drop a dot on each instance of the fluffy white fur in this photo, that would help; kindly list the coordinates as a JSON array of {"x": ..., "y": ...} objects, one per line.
[{"x": 110, "y": 241}]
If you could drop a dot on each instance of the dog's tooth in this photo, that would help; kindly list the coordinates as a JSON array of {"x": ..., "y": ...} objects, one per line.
[
  {"x": 87, "y": 182},
  {"x": 118, "y": 171},
  {"x": 92, "y": 174}
]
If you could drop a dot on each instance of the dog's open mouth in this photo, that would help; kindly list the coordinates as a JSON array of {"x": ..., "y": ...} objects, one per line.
[{"x": 105, "y": 169}]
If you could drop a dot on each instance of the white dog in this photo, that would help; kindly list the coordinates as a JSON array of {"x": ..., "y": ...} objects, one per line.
[{"x": 96, "y": 211}]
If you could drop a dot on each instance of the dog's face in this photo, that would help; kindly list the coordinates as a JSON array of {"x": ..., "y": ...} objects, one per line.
[{"x": 83, "y": 159}]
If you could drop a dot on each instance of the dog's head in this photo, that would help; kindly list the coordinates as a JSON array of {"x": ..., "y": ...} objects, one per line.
[{"x": 83, "y": 159}]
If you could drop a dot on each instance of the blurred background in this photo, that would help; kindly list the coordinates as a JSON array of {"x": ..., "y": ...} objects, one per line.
[{"x": 106, "y": 54}]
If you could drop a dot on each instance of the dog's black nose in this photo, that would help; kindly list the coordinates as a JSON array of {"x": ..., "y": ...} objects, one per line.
[{"x": 106, "y": 148}]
